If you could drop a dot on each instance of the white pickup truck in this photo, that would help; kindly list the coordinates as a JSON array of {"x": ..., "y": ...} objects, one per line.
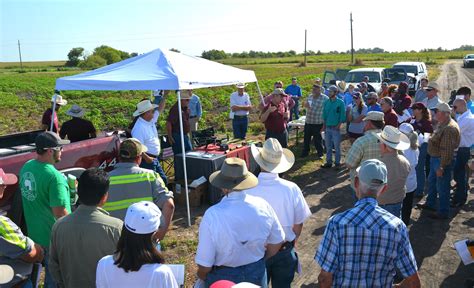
[
  {"x": 415, "y": 72},
  {"x": 355, "y": 76}
]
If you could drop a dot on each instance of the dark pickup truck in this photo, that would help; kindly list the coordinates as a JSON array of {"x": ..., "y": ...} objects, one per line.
[{"x": 16, "y": 149}]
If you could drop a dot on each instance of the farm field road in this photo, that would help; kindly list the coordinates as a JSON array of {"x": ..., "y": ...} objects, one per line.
[{"x": 328, "y": 192}]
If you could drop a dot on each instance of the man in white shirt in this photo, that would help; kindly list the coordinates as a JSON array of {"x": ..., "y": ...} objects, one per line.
[
  {"x": 289, "y": 204},
  {"x": 145, "y": 131},
  {"x": 239, "y": 233},
  {"x": 240, "y": 106},
  {"x": 465, "y": 121}
]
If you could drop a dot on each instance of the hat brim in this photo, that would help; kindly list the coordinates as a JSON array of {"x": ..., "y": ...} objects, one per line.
[
  {"x": 286, "y": 161},
  {"x": 72, "y": 114},
  {"x": 60, "y": 103},
  {"x": 9, "y": 179},
  {"x": 216, "y": 179},
  {"x": 404, "y": 143},
  {"x": 139, "y": 112}
]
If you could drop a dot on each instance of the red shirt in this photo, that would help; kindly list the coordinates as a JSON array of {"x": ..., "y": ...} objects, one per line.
[
  {"x": 391, "y": 118},
  {"x": 422, "y": 126},
  {"x": 46, "y": 120},
  {"x": 173, "y": 118},
  {"x": 276, "y": 121}
]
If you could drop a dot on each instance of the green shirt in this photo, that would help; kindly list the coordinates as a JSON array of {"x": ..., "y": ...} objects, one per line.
[
  {"x": 334, "y": 112},
  {"x": 42, "y": 187}
]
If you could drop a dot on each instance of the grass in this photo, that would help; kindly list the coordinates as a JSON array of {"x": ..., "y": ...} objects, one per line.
[{"x": 25, "y": 96}]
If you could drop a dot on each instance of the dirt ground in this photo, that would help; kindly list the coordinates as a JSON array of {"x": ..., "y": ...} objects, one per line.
[{"x": 327, "y": 193}]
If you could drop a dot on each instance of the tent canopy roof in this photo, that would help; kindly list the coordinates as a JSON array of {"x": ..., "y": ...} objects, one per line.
[{"x": 158, "y": 69}]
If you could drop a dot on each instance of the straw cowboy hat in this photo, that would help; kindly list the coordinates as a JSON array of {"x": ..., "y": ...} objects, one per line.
[
  {"x": 59, "y": 100},
  {"x": 240, "y": 85},
  {"x": 144, "y": 106},
  {"x": 392, "y": 137},
  {"x": 233, "y": 176},
  {"x": 6, "y": 274},
  {"x": 185, "y": 94},
  {"x": 75, "y": 111},
  {"x": 272, "y": 157},
  {"x": 341, "y": 85}
]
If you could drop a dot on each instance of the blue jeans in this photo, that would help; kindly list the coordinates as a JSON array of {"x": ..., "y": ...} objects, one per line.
[
  {"x": 460, "y": 195},
  {"x": 155, "y": 166},
  {"x": 420, "y": 170},
  {"x": 394, "y": 209},
  {"x": 295, "y": 110},
  {"x": 239, "y": 126},
  {"x": 48, "y": 278},
  {"x": 281, "y": 268},
  {"x": 439, "y": 185},
  {"x": 254, "y": 273},
  {"x": 332, "y": 138},
  {"x": 177, "y": 143}
]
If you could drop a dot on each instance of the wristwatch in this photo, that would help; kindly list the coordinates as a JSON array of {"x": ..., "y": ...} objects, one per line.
[{"x": 441, "y": 168}]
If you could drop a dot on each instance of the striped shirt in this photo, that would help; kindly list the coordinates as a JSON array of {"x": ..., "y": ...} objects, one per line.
[
  {"x": 364, "y": 148},
  {"x": 314, "y": 114},
  {"x": 364, "y": 246},
  {"x": 130, "y": 184}
]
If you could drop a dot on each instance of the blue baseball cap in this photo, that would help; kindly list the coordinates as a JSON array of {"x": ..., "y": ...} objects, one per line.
[{"x": 371, "y": 170}]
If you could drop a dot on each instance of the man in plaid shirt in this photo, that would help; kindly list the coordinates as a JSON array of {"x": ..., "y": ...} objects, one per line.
[
  {"x": 314, "y": 121},
  {"x": 367, "y": 146},
  {"x": 364, "y": 246}
]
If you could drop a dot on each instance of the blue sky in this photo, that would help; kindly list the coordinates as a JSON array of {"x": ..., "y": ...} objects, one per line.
[{"x": 48, "y": 29}]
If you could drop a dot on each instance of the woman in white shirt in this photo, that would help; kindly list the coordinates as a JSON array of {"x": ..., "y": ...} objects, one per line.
[
  {"x": 355, "y": 117},
  {"x": 411, "y": 154},
  {"x": 137, "y": 262}
]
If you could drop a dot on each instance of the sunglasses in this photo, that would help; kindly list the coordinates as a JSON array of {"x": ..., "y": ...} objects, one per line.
[
  {"x": 356, "y": 98},
  {"x": 60, "y": 148}
]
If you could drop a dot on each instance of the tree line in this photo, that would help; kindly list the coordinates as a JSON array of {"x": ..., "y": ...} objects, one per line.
[{"x": 105, "y": 55}]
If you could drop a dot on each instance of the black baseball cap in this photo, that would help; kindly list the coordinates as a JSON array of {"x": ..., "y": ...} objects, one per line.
[{"x": 49, "y": 139}]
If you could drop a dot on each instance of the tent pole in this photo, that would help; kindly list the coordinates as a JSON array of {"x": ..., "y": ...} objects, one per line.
[
  {"x": 260, "y": 93},
  {"x": 53, "y": 113},
  {"x": 184, "y": 157}
]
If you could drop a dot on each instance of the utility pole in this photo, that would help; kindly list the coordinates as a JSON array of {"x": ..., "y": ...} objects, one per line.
[
  {"x": 352, "y": 43},
  {"x": 19, "y": 52},
  {"x": 305, "y": 47}
]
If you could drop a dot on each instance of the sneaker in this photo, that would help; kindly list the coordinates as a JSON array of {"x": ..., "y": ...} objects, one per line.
[
  {"x": 425, "y": 206},
  {"x": 327, "y": 165}
]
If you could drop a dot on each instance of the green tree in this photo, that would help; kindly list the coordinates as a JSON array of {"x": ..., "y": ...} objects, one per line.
[
  {"x": 93, "y": 62},
  {"x": 109, "y": 54},
  {"x": 175, "y": 50},
  {"x": 214, "y": 54},
  {"x": 74, "y": 55}
]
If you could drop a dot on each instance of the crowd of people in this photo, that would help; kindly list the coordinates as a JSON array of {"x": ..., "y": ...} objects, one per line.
[{"x": 402, "y": 148}]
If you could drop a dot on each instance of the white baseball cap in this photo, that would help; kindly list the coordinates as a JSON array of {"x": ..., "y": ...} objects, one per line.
[{"x": 142, "y": 218}]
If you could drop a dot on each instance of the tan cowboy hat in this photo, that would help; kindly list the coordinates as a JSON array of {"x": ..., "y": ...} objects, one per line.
[
  {"x": 341, "y": 85},
  {"x": 240, "y": 85},
  {"x": 185, "y": 94},
  {"x": 144, "y": 106},
  {"x": 272, "y": 157},
  {"x": 233, "y": 176},
  {"x": 392, "y": 137},
  {"x": 59, "y": 100},
  {"x": 75, "y": 111}
]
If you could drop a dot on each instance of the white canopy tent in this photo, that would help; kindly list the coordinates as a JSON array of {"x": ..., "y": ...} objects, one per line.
[{"x": 159, "y": 70}]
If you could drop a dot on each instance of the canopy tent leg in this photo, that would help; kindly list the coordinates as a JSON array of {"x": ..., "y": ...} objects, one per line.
[
  {"x": 53, "y": 113},
  {"x": 184, "y": 157},
  {"x": 260, "y": 94}
]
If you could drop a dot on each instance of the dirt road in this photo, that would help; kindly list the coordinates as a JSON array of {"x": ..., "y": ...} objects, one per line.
[{"x": 328, "y": 193}]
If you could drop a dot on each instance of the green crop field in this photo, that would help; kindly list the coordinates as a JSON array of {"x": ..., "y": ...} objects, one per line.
[{"x": 26, "y": 94}]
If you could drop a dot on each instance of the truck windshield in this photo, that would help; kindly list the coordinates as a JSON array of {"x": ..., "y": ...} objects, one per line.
[
  {"x": 408, "y": 69},
  {"x": 356, "y": 77}
]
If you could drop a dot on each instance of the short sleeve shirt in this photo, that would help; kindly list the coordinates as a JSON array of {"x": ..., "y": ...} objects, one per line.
[
  {"x": 276, "y": 121},
  {"x": 173, "y": 118},
  {"x": 77, "y": 129},
  {"x": 234, "y": 232},
  {"x": 357, "y": 127},
  {"x": 240, "y": 100},
  {"x": 147, "y": 134},
  {"x": 42, "y": 188},
  {"x": 46, "y": 119}
]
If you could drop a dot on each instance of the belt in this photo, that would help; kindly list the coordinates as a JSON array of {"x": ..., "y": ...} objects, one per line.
[
  {"x": 222, "y": 267},
  {"x": 287, "y": 245},
  {"x": 240, "y": 116}
]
